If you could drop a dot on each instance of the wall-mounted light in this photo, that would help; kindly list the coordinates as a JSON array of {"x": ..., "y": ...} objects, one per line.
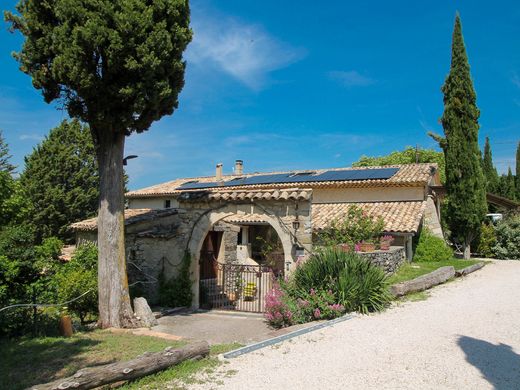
[{"x": 296, "y": 225}]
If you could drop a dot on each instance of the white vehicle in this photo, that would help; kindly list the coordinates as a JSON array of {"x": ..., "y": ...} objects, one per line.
[{"x": 495, "y": 217}]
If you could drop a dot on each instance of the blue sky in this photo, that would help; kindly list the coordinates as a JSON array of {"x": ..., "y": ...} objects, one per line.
[{"x": 286, "y": 85}]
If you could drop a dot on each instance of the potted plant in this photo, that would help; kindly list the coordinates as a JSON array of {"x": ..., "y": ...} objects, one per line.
[
  {"x": 367, "y": 246},
  {"x": 385, "y": 242}
]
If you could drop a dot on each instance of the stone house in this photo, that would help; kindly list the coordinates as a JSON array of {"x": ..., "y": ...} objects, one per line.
[{"x": 263, "y": 219}]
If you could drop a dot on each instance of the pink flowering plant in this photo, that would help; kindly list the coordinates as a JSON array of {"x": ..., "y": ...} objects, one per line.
[
  {"x": 278, "y": 311},
  {"x": 286, "y": 306}
]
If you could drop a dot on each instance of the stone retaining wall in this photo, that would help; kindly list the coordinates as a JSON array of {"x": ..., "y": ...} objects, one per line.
[{"x": 389, "y": 260}]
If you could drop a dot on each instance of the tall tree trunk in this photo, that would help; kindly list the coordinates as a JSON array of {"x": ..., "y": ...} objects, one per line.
[
  {"x": 115, "y": 309},
  {"x": 467, "y": 251}
]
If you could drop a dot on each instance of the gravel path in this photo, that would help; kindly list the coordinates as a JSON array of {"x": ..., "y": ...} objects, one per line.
[{"x": 466, "y": 335}]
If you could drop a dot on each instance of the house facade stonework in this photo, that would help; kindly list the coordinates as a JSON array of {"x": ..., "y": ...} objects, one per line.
[{"x": 234, "y": 224}]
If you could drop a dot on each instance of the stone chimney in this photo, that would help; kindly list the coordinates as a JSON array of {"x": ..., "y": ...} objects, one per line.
[
  {"x": 218, "y": 173},
  {"x": 239, "y": 167}
]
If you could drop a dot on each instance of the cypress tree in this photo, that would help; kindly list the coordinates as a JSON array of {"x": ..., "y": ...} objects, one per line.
[
  {"x": 464, "y": 178},
  {"x": 517, "y": 181},
  {"x": 509, "y": 185},
  {"x": 489, "y": 170}
]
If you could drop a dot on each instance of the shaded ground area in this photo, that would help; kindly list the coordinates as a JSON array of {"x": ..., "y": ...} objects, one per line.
[
  {"x": 31, "y": 361},
  {"x": 466, "y": 335},
  {"x": 219, "y": 327}
]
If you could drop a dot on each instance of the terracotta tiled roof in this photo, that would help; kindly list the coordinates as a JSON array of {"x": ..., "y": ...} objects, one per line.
[
  {"x": 239, "y": 195},
  {"x": 402, "y": 217},
  {"x": 408, "y": 175},
  {"x": 131, "y": 216},
  {"x": 245, "y": 218}
]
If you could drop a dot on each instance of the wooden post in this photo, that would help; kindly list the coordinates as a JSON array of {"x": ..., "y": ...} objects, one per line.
[{"x": 66, "y": 326}]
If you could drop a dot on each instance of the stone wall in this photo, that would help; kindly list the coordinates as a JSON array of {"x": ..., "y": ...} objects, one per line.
[
  {"x": 389, "y": 260},
  {"x": 156, "y": 247}
]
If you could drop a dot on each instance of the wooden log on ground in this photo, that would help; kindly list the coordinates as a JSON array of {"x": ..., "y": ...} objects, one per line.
[
  {"x": 423, "y": 282},
  {"x": 146, "y": 364},
  {"x": 468, "y": 270}
]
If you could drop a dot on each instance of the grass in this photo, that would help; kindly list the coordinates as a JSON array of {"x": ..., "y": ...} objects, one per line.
[
  {"x": 411, "y": 271},
  {"x": 29, "y": 361},
  {"x": 187, "y": 372}
]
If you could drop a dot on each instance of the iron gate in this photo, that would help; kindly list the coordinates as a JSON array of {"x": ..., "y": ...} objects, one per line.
[{"x": 234, "y": 286}]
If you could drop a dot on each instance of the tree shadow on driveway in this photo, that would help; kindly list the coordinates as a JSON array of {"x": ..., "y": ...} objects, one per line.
[{"x": 499, "y": 364}]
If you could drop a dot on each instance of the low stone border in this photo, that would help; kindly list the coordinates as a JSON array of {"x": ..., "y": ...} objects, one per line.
[{"x": 275, "y": 340}]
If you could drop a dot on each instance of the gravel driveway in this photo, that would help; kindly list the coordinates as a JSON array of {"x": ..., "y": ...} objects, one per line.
[{"x": 466, "y": 335}]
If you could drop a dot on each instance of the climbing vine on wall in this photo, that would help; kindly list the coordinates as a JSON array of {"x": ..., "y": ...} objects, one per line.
[{"x": 177, "y": 292}]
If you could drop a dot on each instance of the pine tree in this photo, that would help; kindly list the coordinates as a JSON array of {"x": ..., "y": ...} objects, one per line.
[
  {"x": 465, "y": 184},
  {"x": 61, "y": 180},
  {"x": 489, "y": 170},
  {"x": 5, "y": 165}
]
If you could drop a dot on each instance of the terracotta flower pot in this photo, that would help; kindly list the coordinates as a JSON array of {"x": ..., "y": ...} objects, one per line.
[
  {"x": 385, "y": 246},
  {"x": 367, "y": 247}
]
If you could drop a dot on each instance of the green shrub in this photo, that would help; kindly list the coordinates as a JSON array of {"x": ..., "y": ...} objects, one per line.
[
  {"x": 432, "y": 248},
  {"x": 75, "y": 278},
  {"x": 354, "y": 227},
  {"x": 355, "y": 283},
  {"x": 487, "y": 240},
  {"x": 508, "y": 238},
  {"x": 177, "y": 292}
]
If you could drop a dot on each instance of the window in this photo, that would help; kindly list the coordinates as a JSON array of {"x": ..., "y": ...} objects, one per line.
[{"x": 167, "y": 203}]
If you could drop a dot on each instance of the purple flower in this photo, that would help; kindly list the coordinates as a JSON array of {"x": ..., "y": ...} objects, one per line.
[
  {"x": 312, "y": 292},
  {"x": 317, "y": 313}
]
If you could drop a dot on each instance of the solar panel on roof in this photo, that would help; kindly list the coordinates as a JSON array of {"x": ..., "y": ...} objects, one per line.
[
  {"x": 300, "y": 177},
  {"x": 196, "y": 185}
]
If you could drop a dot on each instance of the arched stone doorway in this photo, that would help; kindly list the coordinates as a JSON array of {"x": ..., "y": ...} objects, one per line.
[{"x": 290, "y": 221}]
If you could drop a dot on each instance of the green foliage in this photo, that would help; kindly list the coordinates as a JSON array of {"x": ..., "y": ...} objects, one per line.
[
  {"x": 356, "y": 284},
  {"x": 61, "y": 180},
  {"x": 489, "y": 170},
  {"x": 118, "y": 65},
  {"x": 75, "y": 278},
  {"x": 26, "y": 273},
  {"x": 354, "y": 227},
  {"x": 507, "y": 185},
  {"x": 517, "y": 176},
  {"x": 432, "y": 248},
  {"x": 464, "y": 178},
  {"x": 407, "y": 156},
  {"x": 177, "y": 292},
  {"x": 508, "y": 238},
  {"x": 487, "y": 240},
  {"x": 5, "y": 165}
]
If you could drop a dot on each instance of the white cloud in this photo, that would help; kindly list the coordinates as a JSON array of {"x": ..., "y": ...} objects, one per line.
[
  {"x": 244, "y": 51},
  {"x": 515, "y": 79},
  {"x": 351, "y": 78},
  {"x": 31, "y": 137}
]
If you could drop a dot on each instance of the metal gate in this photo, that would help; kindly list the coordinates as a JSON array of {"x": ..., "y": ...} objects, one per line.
[{"x": 234, "y": 286}]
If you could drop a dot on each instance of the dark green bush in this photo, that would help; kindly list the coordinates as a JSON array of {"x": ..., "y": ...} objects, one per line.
[
  {"x": 177, "y": 292},
  {"x": 432, "y": 248},
  {"x": 355, "y": 283},
  {"x": 508, "y": 238},
  {"x": 75, "y": 278}
]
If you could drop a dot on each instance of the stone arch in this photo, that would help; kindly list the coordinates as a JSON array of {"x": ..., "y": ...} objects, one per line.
[{"x": 204, "y": 224}]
